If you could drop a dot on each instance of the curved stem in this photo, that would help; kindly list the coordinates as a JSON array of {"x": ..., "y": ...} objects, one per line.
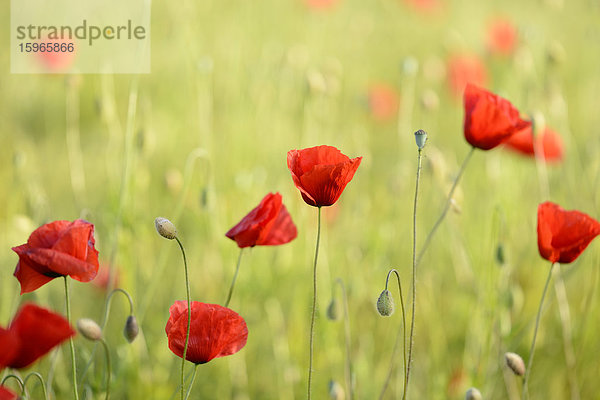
[
  {"x": 403, "y": 331},
  {"x": 414, "y": 271},
  {"x": 189, "y": 319},
  {"x": 109, "y": 302},
  {"x": 525, "y": 394},
  {"x": 108, "y": 370},
  {"x": 314, "y": 304},
  {"x": 446, "y": 206},
  {"x": 16, "y": 378},
  {"x": 191, "y": 382},
  {"x": 237, "y": 269},
  {"x": 72, "y": 345},
  {"x": 37, "y": 375},
  {"x": 348, "y": 369}
]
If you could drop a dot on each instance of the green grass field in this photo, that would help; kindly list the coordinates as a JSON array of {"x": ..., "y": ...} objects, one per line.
[{"x": 203, "y": 137}]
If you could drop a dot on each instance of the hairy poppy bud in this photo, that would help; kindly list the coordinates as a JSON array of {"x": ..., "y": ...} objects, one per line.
[
  {"x": 473, "y": 394},
  {"x": 421, "y": 138},
  {"x": 89, "y": 329},
  {"x": 165, "y": 228},
  {"x": 385, "y": 304},
  {"x": 515, "y": 363},
  {"x": 333, "y": 310},
  {"x": 336, "y": 392},
  {"x": 131, "y": 329}
]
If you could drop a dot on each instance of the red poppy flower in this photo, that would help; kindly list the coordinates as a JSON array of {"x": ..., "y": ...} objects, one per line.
[
  {"x": 464, "y": 69},
  {"x": 57, "y": 61},
  {"x": 269, "y": 224},
  {"x": 502, "y": 37},
  {"x": 101, "y": 281},
  {"x": 489, "y": 119},
  {"x": 549, "y": 142},
  {"x": 425, "y": 6},
  {"x": 321, "y": 4},
  {"x": 321, "y": 173},
  {"x": 563, "y": 235},
  {"x": 33, "y": 332},
  {"x": 383, "y": 102},
  {"x": 215, "y": 331},
  {"x": 6, "y": 394},
  {"x": 57, "y": 249}
]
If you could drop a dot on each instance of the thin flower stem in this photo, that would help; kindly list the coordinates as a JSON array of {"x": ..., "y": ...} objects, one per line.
[
  {"x": 348, "y": 369},
  {"x": 37, "y": 375},
  {"x": 237, "y": 269},
  {"x": 414, "y": 272},
  {"x": 314, "y": 304},
  {"x": 72, "y": 345},
  {"x": 446, "y": 206},
  {"x": 525, "y": 394},
  {"x": 108, "y": 370},
  {"x": 189, "y": 319},
  {"x": 191, "y": 382},
  {"x": 16, "y": 378},
  {"x": 403, "y": 331}
]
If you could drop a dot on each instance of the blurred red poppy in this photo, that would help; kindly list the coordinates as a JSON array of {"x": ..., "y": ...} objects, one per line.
[
  {"x": 268, "y": 224},
  {"x": 33, "y": 332},
  {"x": 464, "y": 69},
  {"x": 215, "y": 331},
  {"x": 321, "y": 173},
  {"x": 425, "y": 6},
  {"x": 6, "y": 394},
  {"x": 502, "y": 37},
  {"x": 489, "y": 118},
  {"x": 549, "y": 142},
  {"x": 60, "y": 58},
  {"x": 101, "y": 281},
  {"x": 57, "y": 249},
  {"x": 321, "y": 4},
  {"x": 563, "y": 235},
  {"x": 383, "y": 102}
]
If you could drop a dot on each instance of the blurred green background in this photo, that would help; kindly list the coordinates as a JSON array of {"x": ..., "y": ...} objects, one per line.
[{"x": 200, "y": 140}]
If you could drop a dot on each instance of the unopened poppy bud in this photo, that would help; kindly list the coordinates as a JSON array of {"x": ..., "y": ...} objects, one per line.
[
  {"x": 333, "y": 310},
  {"x": 421, "y": 138},
  {"x": 336, "y": 392},
  {"x": 89, "y": 329},
  {"x": 131, "y": 329},
  {"x": 473, "y": 394},
  {"x": 385, "y": 304},
  {"x": 165, "y": 228},
  {"x": 515, "y": 363},
  {"x": 500, "y": 259}
]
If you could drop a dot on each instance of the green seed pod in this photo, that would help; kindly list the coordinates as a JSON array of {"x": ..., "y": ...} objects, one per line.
[
  {"x": 515, "y": 363},
  {"x": 385, "y": 304},
  {"x": 333, "y": 310},
  {"x": 89, "y": 329},
  {"x": 473, "y": 394},
  {"x": 131, "y": 329},
  {"x": 421, "y": 138},
  {"x": 165, "y": 228}
]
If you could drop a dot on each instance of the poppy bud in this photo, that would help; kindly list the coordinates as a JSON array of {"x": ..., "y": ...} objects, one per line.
[
  {"x": 515, "y": 363},
  {"x": 421, "y": 138},
  {"x": 473, "y": 394},
  {"x": 385, "y": 304},
  {"x": 500, "y": 259},
  {"x": 336, "y": 392},
  {"x": 89, "y": 329},
  {"x": 333, "y": 310},
  {"x": 165, "y": 228},
  {"x": 131, "y": 329}
]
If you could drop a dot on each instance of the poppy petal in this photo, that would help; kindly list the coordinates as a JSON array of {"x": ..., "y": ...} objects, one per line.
[
  {"x": 8, "y": 347},
  {"x": 282, "y": 231},
  {"x": 29, "y": 276},
  {"x": 6, "y": 394}
]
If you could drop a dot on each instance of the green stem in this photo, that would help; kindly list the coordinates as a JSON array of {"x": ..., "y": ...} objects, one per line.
[
  {"x": 189, "y": 319},
  {"x": 37, "y": 375},
  {"x": 348, "y": 369},
  {"x": 414, "y": 272},
  {"x": 314, "y": 304},
  {"x": 525, "y": 394},
  {"x": 191, "y": 382},
  {"x": 446, "y": 206},
  {"x": 16, "y": 378},
  {"x": 71, "y": 344},
  {"x": 237, "y": 269},
  {"x": 108, "y": 370},
  {"x": 403, "y": 331}
]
